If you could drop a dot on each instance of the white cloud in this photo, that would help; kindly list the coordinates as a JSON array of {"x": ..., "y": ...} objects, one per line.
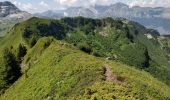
[
  {"x": 150, "y": 3},
  {"x": 17, "y": 3},
  {"x": 27, "y": 7},
  {"x": 68, "y": 2},
  {"x": 63, "y": 2},
  {"x": 42, "y": 3},
  {"x": 82, "y": 2},
  {"x": 24, "y": 6}
]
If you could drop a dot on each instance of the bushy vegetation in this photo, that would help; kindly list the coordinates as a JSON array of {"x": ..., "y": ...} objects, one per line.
[
  {"x": 53, "y": 67},
  {"x": 165, "y": 43},
  {"x": 10, "y": 70},
  {"x": 63, "y": 72},
  {"x": 21, "y": 52}
]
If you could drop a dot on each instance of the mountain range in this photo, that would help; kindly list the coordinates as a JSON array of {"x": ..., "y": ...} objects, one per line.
[{"x": 156, "y": 18}]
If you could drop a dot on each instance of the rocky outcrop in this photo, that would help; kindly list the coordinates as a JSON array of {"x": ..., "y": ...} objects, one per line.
[{"x": 7, "y": 8}]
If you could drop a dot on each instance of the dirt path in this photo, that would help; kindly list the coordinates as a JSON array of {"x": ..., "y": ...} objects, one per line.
[{"x": 109, "y": 75}]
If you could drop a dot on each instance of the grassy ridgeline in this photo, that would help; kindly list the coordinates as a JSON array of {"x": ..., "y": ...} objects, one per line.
[
  {"x": 61, "y": 71},
  {"x": 117, "y": 39},
  {"x": 55, "y": 69}
]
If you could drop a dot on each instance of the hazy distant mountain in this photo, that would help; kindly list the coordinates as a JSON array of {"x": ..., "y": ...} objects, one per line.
[
  {"x": 51, "y": 14},
  {"x": 157, "y": 18},
  {"x": 115, "y": 10},
  {"x": 10, "y": 15}
]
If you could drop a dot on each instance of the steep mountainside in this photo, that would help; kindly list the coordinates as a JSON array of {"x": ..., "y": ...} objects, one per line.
[
  {"x": 10, "y": 15},
  {"x": 61, "y": 67},
  {"x": 165, "y": 42},
  {"x": 6, "y": 8}
]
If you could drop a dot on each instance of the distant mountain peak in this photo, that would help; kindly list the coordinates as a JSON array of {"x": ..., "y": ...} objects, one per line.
[
  {"x": 7, "y": 8},
  {"x": 10, "y": 15},
  {"x": 10, "y": 11},
  {"x": 7, "y": 4}
]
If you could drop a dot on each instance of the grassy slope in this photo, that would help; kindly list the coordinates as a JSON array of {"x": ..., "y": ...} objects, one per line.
[{"x": 63, "y": 72}]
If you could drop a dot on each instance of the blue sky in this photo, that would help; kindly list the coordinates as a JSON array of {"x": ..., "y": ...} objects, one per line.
[{"x": 34, "y": 6}]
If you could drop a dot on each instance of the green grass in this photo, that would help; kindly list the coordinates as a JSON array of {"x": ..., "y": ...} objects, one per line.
[
  {"x": 63, "y": 72},
  {"x": 55, "y": 68}
]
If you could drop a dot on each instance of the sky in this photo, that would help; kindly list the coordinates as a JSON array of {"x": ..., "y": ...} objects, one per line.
[{"x": 34, "y": 6}]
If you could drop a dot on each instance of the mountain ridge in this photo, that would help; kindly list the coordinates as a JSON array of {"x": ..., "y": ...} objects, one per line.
[
  {"x": 135, "y": 13},
  {"x": 82, "y": 58}
]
